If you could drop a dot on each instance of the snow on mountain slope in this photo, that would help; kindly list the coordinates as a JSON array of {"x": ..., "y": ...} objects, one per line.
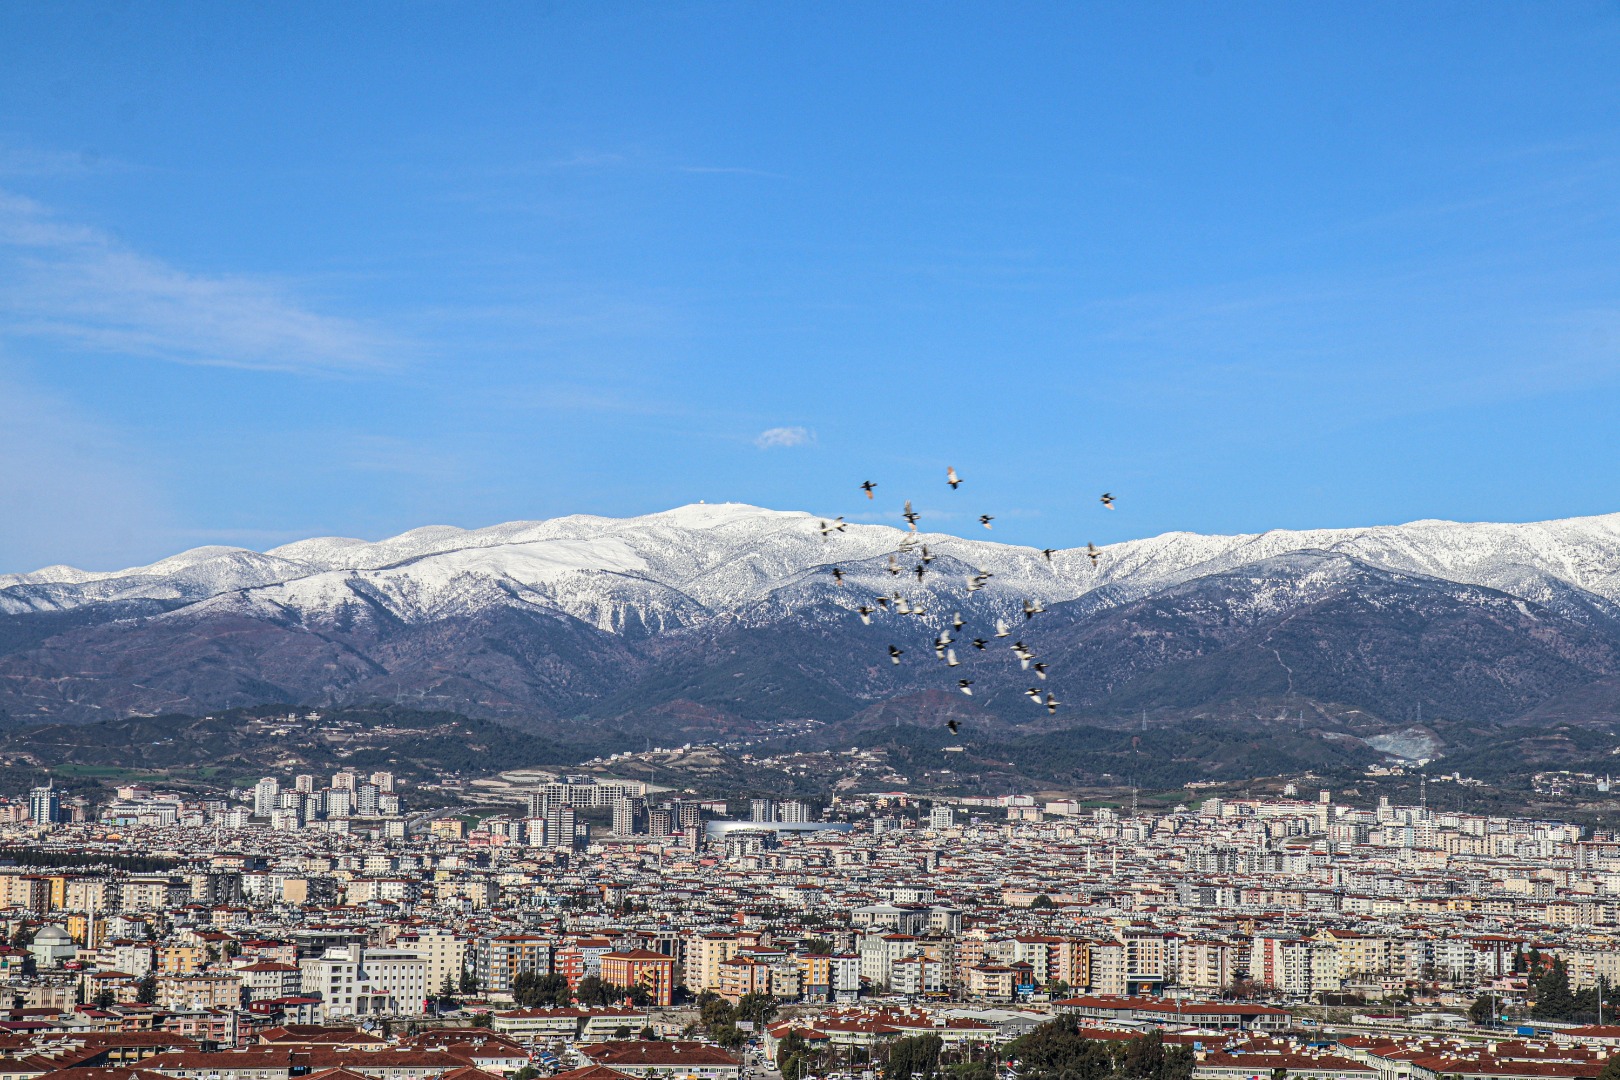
[
  {"x": 679, "y": 567},
  {"x": 190, "y": 576}
]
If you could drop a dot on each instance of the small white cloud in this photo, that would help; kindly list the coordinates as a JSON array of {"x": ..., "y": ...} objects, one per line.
[{"x": 778, "y": 437}]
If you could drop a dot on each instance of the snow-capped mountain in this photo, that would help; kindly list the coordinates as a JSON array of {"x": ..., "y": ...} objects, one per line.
[{"x": 561, "y": 617}]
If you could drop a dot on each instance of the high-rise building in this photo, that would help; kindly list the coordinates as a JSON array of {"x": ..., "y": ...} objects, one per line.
[
  {"x": 660, "y": 823},
  {"x": 383, "y": 780},
  {"x": 795, "y": 811},
  {"x": 266, "y": 796},
  {"x": 561, "y": 825},
  {"x": 626, "y": 815},
  {"x": 343, "y": 781},
  {"x": 304, "y": 782},
  {"x": 538, "y": 802},
  {"x": 339, "y": 802},
  {"x": 367, "y": 800},
  {"x": 43, "y": 806},
  {"x": 762, "y": 810},
  {"x": 691, "y": 814},
  {"x": 941, "y": 817}
]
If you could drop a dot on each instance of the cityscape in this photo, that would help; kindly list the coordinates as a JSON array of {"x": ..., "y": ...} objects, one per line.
[
  {"x": 809, "y": 540},
  {"x": 603, "y": 929}
]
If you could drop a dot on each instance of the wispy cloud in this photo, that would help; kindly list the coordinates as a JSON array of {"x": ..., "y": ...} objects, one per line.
[
  {"x": 77, "y": 284},
  {"x": 33, "y": 161},
  {"x": 780, "y": 437}
]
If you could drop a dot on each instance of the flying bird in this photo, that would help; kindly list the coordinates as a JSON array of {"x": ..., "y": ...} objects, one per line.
[
  {"x": 1032, "y": 610},
  {"x": 926, "y": 558},
  {"x": 883, "y": 602},
  {"x": 1040, "y": 671},
  {"x": 838, "y": 576},
  {"x": 951, "y": 723},
  {"x": 951, "y": 478},
  {"x": 1107, "y": 500},
  {"x": 895, "y": 654},
  {"x": 865, "y": 613},
  {"x": 1032, "y": 693},
  {"x": 1052, "y": 703},
  {"x": 922, "y": 568},
  {"x": 836, "y": 526},
  {"x": 867, "y": 487},
  {"x": 894, "y": 565},
  {"x": 985, "y": 520},
  {"x": 911, "y": 516},
  {"x": 956, "y": 621},
  {"x": 979, "y": 643},
  {"x": 1093, "y": 551},
  {"x": 1002, "y": 629},
  {"x": 950, "y": 658},
  {"x": 966, "y": 686},
  {"x": 944, "y": 639}
]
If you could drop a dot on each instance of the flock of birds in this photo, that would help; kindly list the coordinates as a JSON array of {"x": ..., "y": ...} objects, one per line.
[{"x": 942, "y": 645}]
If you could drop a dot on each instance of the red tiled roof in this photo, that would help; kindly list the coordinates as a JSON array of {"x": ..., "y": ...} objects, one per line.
[{"x": 661, "y": 1054}]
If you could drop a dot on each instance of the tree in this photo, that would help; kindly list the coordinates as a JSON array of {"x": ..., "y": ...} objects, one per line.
[
  {"x": 469, "y": 982},
  {"x": 759, "y": 1008},
  {"x": 1057, "y": 1051},
  {"x": 1042, "y": 901},
  {"x": 146, "y": 990},
  {"x": 528, "y": 1072},
  {"x": 916, "y": 1057},
  {"x": 1553, "y": 998},
  {"x": 715, "y": 1011},
  {"x": 1179, "y": 1063},
  {"x": 1144, "y": 1058},
  {"x": 795, "y": 1059},
  {"x": 482, "y": 1020},
  {"x": 530, "y": 990},
  {"x": 973, "y": 1070},
  {"x": 622, "y": 1031},
  {"x": 105, "y": 998},
  {"x": 1611, "y": 1069},
  {"x": 1482, "y": 1013},
  {"x": 817, "y": 946}
]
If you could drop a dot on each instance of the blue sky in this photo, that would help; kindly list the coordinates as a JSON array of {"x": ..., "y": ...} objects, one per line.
[{"x": 272, "y": 271}]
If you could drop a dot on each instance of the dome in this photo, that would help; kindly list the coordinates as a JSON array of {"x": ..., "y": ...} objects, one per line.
[{"x": 52, "y": 935}]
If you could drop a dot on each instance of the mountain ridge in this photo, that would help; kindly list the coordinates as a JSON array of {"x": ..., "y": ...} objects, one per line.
[{"x": 728, "y": 615}]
